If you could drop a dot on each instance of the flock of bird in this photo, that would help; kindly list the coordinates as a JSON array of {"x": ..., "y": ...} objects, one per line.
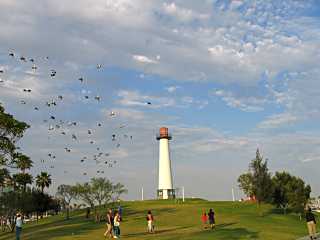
[{"x": 67, "y": 128}]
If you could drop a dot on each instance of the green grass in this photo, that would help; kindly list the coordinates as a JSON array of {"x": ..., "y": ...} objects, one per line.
[{"x": 235, "y": 221}]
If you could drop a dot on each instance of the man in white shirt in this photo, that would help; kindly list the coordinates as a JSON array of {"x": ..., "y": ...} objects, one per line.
[{"x": 18, "y": 226}]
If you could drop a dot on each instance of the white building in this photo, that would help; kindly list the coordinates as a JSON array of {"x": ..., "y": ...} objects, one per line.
[{"x": 165, "y": 187}]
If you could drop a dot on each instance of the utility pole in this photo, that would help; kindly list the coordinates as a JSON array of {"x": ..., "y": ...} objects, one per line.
[
  {"x": 183, "y": 194},
  {"x": 233, "y": 198},
  {"x": 142, "y": 194}
]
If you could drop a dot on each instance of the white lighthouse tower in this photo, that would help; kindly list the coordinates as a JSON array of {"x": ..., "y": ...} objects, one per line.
[{"x": 165, "y": 187}]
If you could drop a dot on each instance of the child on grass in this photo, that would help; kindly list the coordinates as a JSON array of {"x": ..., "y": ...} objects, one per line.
[
  {"x": 116, "y": 225},
  {"x": 150, "y": 222},
  {"x": 204, "y": 219}
]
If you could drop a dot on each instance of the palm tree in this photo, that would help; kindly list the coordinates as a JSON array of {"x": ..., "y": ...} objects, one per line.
[
  {"x": 23, "y": 162},
  {"x": 43, "y": 180},
  {"x": 22, "y": 180}
]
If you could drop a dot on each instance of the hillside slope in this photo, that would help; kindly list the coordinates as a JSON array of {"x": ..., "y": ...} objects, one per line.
[{"x": 235, "y": 221}]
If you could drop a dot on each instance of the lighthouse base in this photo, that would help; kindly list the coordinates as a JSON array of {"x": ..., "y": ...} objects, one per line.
[{"x": 166, "y": 194}]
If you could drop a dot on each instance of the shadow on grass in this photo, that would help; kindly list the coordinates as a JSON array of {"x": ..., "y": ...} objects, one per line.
[
  {"x": 222, "y": 231},
  {"x": 280, "y": 211},
  {"x": 55, "y": 221},
  {"x": 137, "y": 234},
  {"x": 49, "y": 231},
  {"x": 225, "y": 225},
  {"x": 141, "y": 214},
  {"x": 230, "y": 233}
]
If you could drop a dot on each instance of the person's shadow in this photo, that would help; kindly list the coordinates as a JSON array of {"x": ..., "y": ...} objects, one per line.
[{"x": 167, "y": 230}]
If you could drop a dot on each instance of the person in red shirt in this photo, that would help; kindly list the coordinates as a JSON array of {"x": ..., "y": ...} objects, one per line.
[{"x": 204, "y": 219}]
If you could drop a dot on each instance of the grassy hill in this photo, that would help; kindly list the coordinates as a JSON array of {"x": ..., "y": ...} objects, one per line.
[{"x": 175, "y": 221}]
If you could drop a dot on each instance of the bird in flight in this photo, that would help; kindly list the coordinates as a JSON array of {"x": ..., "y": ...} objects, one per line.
[{"x": 53, "y": 73}]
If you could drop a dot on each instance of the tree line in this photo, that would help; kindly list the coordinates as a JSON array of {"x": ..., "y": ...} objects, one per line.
[
  {"x": 96, "y": 192},
  {"x": 282, "y": 189},
  {"x": 16, "y": 193}
]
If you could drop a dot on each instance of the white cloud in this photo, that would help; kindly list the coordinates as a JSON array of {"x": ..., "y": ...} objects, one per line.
[
  {"x": 247, "y": 104},
  {"x": 235, "y": 4},
  {"x": 143, "y": 59},
  {"x": 135, "y": 98},
  {"x": 297, "y": 93},
  {"x": 187, "y": 99},
  {"x": 125, "y": 114},
  {"x": 310, "y": 159},
  {"x": 278, "y": 120},
  {"x": 13, "y": 86},
  {"x": 172, "y": 89},
  {"x": 182, "y": 14},
  {"x": 245, "y": 48},
  {"x": 218, "y": 51},
  {"x": 219, "y": 144},
  {"x": 120, "y": 153}
]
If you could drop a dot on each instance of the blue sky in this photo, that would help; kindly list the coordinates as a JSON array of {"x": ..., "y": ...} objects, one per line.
[{"x": 226, "y": 77}]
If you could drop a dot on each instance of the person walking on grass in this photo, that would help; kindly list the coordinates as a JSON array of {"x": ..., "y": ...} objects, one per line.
[
  {"x": 311, "y": 224},
  {"x": 18, "y": 226},
  {"x": 150, "y": 220},
  {"x": 212, "y": 221},
  {"x": 204, "y": 219},
  {"x": 116, "y": 225},
  {"x": 109, "y": 220},
  {"x": 3, "y": 223},
  {"x": 88, "y": 212},
  {"x": 120, "y": 212},
  {"x": 8, "y": 224}
]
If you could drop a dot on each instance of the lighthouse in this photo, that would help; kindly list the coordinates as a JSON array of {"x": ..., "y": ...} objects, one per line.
[{"x": 165, "y": 187}]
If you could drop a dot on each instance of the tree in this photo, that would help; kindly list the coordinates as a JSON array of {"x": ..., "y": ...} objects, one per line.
[
  {"x": 21, "y": 197},
  {"x": 41, "y": 202},
  {"x": 118, "y": 190},
  {"x": 290, "y": 191},
  {"x": 11, "y": 130},
  {"x": 85, "y": 194},
  {"x": 66, "y": 194},
  {"x": 246, "y": 184},
  {"x": 102, "y": 190},
  {"x": 22, "y": 179},
  {"x": 43, "y": 180},
  {"x": 257, "y": 182},
  {"x": 283, "y": 190},
  {"x": 261, "y": 179},
  {"x": 30, "y": 201},
  {"x": 22, "y": 162},
  {"x": 9, "y": 204},
  {"x": 4, "y": 176},
  {"x": 98, "y": 191}
]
